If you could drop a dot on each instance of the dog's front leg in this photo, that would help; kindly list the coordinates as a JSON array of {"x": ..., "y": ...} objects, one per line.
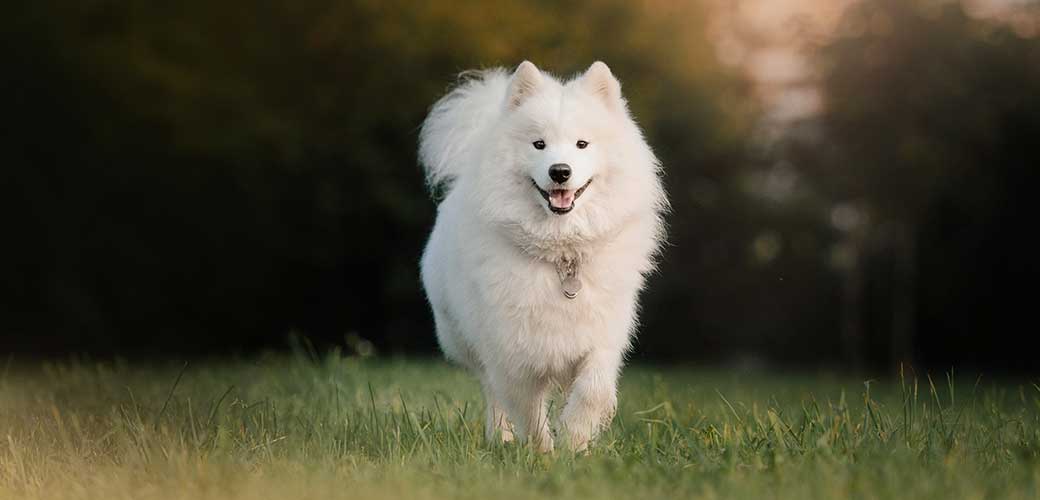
[
  {"x": 592, "y": 399},
  {"x": 498, "y": 426},
  {"x": 523, "y": 397}
]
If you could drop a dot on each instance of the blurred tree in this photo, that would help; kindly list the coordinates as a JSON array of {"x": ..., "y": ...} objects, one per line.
[
  {"x": 196, "y": 177},
  {"x": 208, "y": 176},
  {"x": 930, "y": 116}
]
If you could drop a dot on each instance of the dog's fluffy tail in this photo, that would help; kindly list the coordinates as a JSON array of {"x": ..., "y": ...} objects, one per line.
[{"x": 452, "y": 131}]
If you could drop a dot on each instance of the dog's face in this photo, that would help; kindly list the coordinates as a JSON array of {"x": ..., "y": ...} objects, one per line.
[
  {"x": 568, "y": 161},
  {"x": 561, "y": 134}
]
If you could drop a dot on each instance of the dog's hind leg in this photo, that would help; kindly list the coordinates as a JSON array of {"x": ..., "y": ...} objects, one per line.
[{"x": 592, "y": 399}]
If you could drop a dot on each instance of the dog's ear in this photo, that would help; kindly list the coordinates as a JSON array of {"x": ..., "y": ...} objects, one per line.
[
  {"x": 524, "y": 82},
  {"x": 600, "y": 82}
]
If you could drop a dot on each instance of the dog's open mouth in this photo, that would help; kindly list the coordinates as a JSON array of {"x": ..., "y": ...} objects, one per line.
[{"x": 561, "y": 201}]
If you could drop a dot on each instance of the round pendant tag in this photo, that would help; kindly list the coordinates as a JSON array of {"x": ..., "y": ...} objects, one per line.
[{"x": 571, "y": 287}]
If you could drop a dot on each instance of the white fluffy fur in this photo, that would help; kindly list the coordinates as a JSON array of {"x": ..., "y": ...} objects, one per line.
[{"x": 489, "y": 267}]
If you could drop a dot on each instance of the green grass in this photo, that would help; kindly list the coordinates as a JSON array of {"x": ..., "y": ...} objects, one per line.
[{"x": 287, "y": 427}]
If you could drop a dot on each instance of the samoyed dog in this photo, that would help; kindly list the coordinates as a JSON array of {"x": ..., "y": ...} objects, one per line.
[{"x": 550, "y": 222}]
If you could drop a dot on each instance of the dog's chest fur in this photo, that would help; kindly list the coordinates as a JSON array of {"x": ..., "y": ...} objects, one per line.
[{"x": 534, "y": 324}]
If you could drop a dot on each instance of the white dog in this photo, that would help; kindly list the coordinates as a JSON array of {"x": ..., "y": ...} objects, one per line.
[{"x": 549, "y": 226}]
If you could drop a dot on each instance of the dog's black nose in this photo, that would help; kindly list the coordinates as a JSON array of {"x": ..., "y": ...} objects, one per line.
[{"x": 560, "y": 172}]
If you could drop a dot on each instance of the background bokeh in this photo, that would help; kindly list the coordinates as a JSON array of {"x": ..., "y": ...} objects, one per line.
[{"x": 852, "y": 181}]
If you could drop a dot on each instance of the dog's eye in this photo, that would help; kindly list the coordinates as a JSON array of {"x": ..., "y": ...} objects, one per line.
[
  {"x": 582, "y": 144},
  {"x": 539, "y": 144}
]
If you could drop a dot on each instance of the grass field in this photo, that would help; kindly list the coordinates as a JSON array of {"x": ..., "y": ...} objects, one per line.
[{"x": 289, "y": 427}]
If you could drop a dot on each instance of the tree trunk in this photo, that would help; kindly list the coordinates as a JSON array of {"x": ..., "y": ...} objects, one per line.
[
  {"x": 852, "y": 309},
  {"x": 904, "y": 295}
]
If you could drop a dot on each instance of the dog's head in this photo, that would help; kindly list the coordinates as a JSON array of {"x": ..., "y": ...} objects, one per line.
[{"x": 567, "y": 161}]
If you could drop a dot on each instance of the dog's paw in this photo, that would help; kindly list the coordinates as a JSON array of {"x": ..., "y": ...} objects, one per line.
[
  {"x": 544, "y": 444},
  {"x": 502, "y": 434},
  {"x": 506, "y": 435},
  {"x": 578, "y": 444}
]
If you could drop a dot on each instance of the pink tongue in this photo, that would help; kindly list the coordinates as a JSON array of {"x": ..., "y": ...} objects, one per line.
[{"x": 561, "y": 198}]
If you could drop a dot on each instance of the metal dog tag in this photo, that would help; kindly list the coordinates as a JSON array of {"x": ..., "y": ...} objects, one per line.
[
  {"x": 571, "y": 287},
  {"x": 567, "y": 269}
]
